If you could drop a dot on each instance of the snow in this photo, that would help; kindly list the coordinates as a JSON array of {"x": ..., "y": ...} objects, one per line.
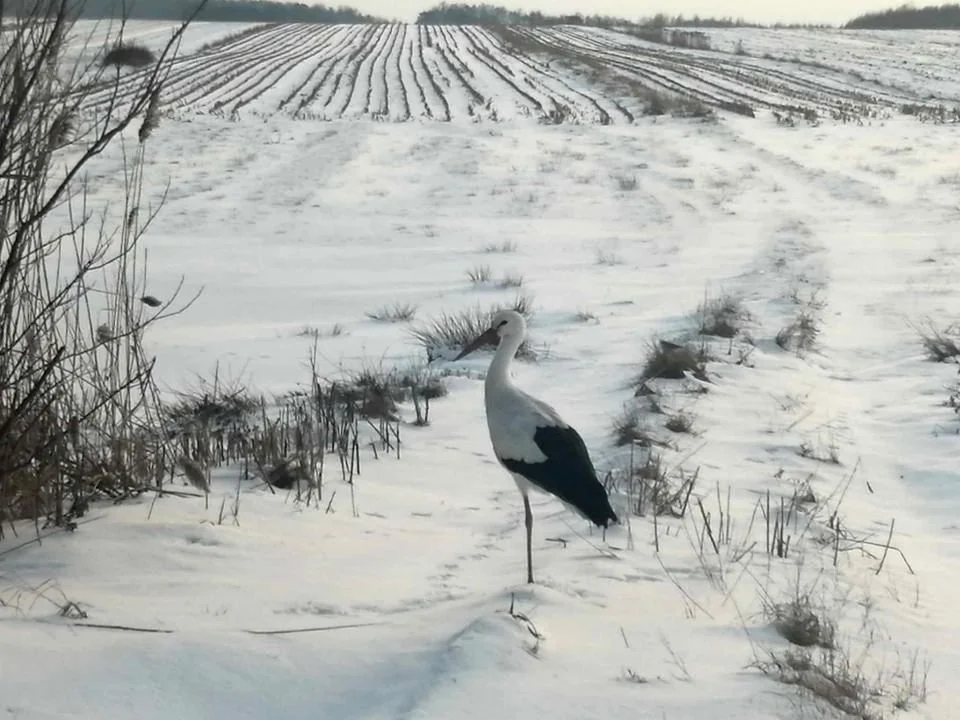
[{"x": 402, "y": 611}]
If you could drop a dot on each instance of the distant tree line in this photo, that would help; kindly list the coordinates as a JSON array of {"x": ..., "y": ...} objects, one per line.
[
  {"x": 909, "y": 17},
  {"x": 219, "y": 10},
  {"x": 486, "y": 14}
]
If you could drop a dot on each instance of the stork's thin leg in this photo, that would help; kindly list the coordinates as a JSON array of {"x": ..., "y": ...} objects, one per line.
[{"x": 528, "y": 517}]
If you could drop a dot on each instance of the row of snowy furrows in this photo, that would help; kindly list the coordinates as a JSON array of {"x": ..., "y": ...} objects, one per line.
[
  {"x": 395, "y": 72},
  {"x": 911, "y": 63},
  {"x": 711, "y": 76}
]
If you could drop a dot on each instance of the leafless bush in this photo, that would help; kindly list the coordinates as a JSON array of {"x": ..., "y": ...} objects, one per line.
[
  {"x": 78, "y": 404},
  {"x": 398, "y": 312},
  {"x": 445, "y": 335},
  {"x": 125, "y": 55}
]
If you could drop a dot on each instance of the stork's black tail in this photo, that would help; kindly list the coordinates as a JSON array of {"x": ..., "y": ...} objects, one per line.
[{"x": 567, "y": 473}]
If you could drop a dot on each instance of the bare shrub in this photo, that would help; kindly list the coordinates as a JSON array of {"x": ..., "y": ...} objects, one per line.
[
  {"x": 398, "y": 312},
  {"x": 445, "y": 335},
  {"x": 79, "y": 409},
  {"x": 585, "y": 316},
  {"x": 128, "y": 55},
  {"x": 672, "y": 361},
  {"x": 626, "y": 183}
]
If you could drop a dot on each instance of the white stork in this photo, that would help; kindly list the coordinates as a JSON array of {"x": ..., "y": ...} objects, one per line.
[{"x": 531, "y": 440}]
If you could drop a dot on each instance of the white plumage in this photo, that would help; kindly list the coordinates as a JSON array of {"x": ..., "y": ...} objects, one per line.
[{"x": 531, "y": 440}]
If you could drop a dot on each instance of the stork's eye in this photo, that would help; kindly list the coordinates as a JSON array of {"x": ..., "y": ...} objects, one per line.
[{"x": 502, "y": 323}]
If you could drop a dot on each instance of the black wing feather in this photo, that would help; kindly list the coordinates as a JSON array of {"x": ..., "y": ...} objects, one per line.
[{"x": 567, "y": 473}]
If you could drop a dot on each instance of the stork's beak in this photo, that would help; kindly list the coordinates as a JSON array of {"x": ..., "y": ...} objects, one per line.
[{"x": 488, "y": 337}]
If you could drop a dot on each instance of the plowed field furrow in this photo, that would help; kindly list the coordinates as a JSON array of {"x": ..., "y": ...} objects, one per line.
[
  {"x": 661, "y": 74},
  {"x": 539, "y": 103},
  {"x": 572, "y": 99},
  {"x": 332, "y": 61},
  {"x": 409, "y": 79},
  {"x": 398, "y": 60},
  {"x": 379, "y": 100},
  {"x": 339, "y": 83},
  {"x": 226, "y": 72},
  {"x": 188, "y": 74},
  {"x": 784, "y": 85},
  {"x": 413, "y": 87},
  {"x": 429, "y": 82},
  {"x": 281, "y": 69},
  {"x": 445, "y": 65},
  {"x": 355, "y": 79},
  {"x": 560, "y": 90}
]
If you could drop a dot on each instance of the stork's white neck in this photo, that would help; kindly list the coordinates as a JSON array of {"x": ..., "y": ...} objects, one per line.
[{"x": 499, "y": 373}]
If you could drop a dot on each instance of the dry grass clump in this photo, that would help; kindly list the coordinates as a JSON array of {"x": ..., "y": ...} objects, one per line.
[
  {"x": 608, "y": 258},
  {"x": 673, "y": 362},
  {"x": 396, "y": 313},
  {"x": 800, "y": 335},
  {"x": 723, "y": 316},
  {"x": 212, "y": 406},
  {"x": 680, "y": 422},
  {"x": 830, "y": 676},
  {"x": 802, "y": 624},
  {"x": 445, "y": 335},
  {"x": 424, "y": 386},
  {"x": 627, "y": 428},
  {"x": 480, "y": 274},
  {"x": 505, "y": 247},
  {"x": 511, "y": 280},
  {"x": 940, "y": 344}
]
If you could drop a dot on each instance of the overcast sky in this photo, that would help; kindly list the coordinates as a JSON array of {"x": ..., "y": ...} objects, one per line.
[{"x": 766, "y": 11}]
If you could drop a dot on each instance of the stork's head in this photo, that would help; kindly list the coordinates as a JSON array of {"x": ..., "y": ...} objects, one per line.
[{"x": 506, "y": 325}]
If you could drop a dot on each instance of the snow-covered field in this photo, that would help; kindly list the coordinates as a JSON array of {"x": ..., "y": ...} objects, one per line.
[
  {"x": 620, "y": 231},
  {"x": 401, "y": 72}
]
